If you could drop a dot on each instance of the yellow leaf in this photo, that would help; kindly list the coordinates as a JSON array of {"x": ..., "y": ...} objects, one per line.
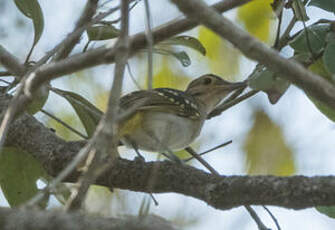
[
  {"x": 266, "y": 150},
  {"x": 101, "y": 99},
  {"x": 258, "y": 18},
  {"x": 166, "y": 77},
  {"x": 223, "y": 57},
  {"x": 318, "y": 67},
  {"x": 69, "y": 118}
]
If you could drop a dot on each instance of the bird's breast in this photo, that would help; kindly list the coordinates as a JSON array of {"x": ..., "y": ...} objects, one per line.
[{"x": 158, "y": 131}]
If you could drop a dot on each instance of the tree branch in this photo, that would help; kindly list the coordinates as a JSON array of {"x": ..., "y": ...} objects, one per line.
[
  {"x": 41, "y": 220},
  {"x": 10, "y": 62},
  {"x": 291, "y": 70},
  {"x": 296, "y": 192},
  {"x": 105, "y": 138},
  {"x": 71, "y": 41},
  {"x": 104, "y": 55}
]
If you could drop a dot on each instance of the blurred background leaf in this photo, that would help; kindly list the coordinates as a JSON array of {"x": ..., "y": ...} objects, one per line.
[
  {"x": 102, "y": 32},
  {"x": 329, "y": 211},
  {"x": 316, "y": 39},
  {"x": 40, "y": 98},
  {"x": 319, "y": 68},
  {"x": 329, "y": 58},
  {"x": 181, "y": 56},
  {"x": 258, "y": 19},
  {"x": 32, "y": 10},
  {"x": 323, "y": 4},
  {"x": 88, "y": 113},
  {"x": 223, "y": 58},
  {"x": 266, "y": 149},
  {"x": 187, "y": 41},
  {"x": 166, "y": 77},
  {"x": 269, "y": 82},
  {"x": 19, "y": 173},
  {"x": 299, "y": 10}
]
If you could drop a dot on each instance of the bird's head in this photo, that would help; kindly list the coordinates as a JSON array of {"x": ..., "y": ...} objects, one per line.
[{"x": 210, "y": 90}]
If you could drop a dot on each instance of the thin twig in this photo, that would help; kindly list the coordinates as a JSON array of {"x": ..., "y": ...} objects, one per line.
[
  {"x": 309, "y": 46},
  {"x": 105, "y": 151},
  {"x": 201, "y": 160},
  {"x": 148, "y": 35},
  {"x": 210, "y": 150},
  {"x": 251, "y": 211},
  {"x": 223, "y": 107},
  {"x": 225, "y": 28},
  {"x": 85, "y": 18},
  {"x": 5, "y": 74},
  {"x": 235, "y": 94},
  {"x": 82, "y": 154},
  {"x": 273, "y": 217},
  {"x": 6, "y": 82},
  {"x": 64, "y": 124},
  {"x": 98, "y": 56},
  {"x": 11, "y": 63},
  {"x": 132, "y": 77},
  {"x": 15, "y": 107},
  {"x": 119, "y": 19},
  {"x": 256, "y": 218},
  {"x": 73, "y": 35},
  {"x": 285, "y": 38},
  {"x": 280, "y": 18},
  {"x": 19, "y": 101}
]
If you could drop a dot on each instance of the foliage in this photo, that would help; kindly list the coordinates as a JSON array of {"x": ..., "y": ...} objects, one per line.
[
  {"x": 266, "y": 149},
  {"x": 19, "y": 173}
]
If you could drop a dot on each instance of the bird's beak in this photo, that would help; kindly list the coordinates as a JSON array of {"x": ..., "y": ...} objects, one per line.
[{"x": 225, "y": 85}]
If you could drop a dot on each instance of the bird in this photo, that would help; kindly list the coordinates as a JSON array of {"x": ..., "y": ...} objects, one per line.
[{"x": 167, "y": 119}]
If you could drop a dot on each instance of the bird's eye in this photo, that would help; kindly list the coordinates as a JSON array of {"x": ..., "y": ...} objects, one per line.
[{"x": 207, "y": 81}]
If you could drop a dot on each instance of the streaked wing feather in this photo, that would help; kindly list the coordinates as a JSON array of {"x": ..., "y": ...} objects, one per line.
[{"x": 160, "y": 100}]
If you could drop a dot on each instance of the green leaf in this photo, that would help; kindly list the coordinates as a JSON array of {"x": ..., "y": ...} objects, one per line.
[
  {"x": 329, "y": 211},
  {"x": 19, "y": 172},
  {"x": 317, "y": 39},
  {"x": 39, "y": 100},
  {"x": 319, "y": 68},
  {"x": 267, "y": 81},
  {"x": 329, "y": 57},
  {"x": 62, "y": 193},
  {"x": 88, "y": 114},
  {"x": 266, "y": 149},
  {"x": 325, "y": 109},
  {"x": 32, "y": 10},
  {"x": 186, "y": 41},
  {"x": 182, "y": 56},
  {"x": 299, "y": 10},
  {"x": 328, "y": 5},
  {"x": 103, "y": 32}
]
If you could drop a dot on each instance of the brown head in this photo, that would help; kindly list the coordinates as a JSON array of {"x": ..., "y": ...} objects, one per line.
[{"x": 210, "y": 89}]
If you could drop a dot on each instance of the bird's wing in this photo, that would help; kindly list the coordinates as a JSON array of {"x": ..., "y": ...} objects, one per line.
[{"x": 161, "y": 100}]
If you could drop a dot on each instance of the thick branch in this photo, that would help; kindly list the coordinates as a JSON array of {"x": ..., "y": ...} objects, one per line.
[
  {"x": 41, "y": 220},
  {"x": 254, "y": 49},
  {"x": 220, "y": 192}
]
